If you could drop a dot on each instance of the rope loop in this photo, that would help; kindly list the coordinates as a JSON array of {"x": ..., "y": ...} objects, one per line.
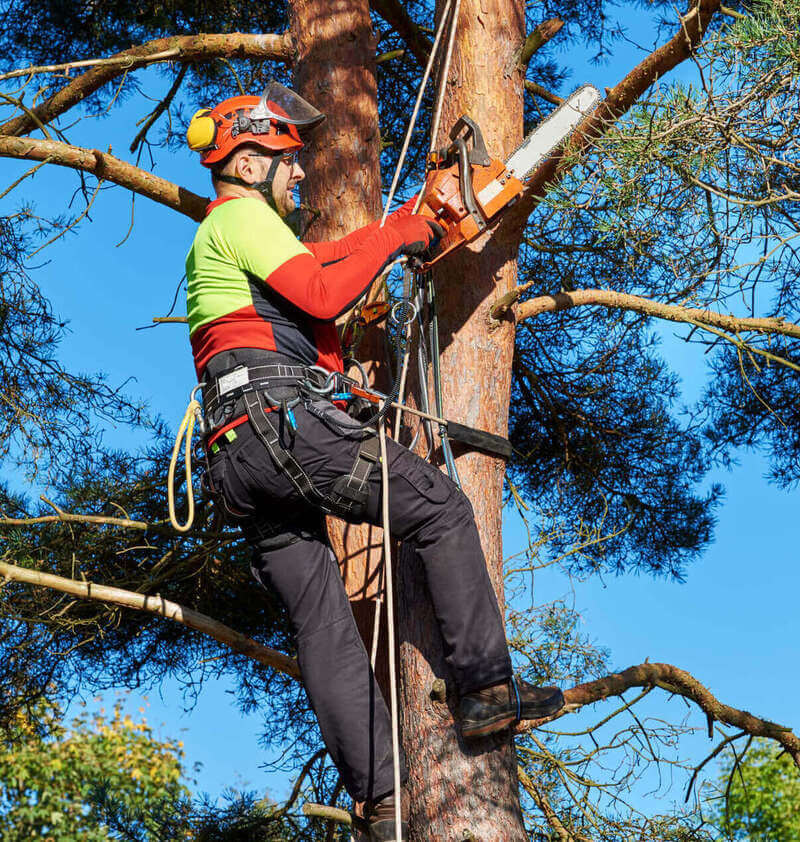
[{"x": 192, "y": 416}]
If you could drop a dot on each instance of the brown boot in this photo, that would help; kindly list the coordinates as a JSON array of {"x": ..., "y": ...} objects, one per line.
[
  {"x": 494, "y": 708},
  {"x": 379, "y": 816}
]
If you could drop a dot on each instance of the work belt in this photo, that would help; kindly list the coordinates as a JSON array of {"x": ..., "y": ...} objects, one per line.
[{"x": 268, "y": 394}]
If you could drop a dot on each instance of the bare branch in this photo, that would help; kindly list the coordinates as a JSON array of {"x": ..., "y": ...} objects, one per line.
[
  {"x": 162, "y": 106},
  {"x": 541, "y": 91},
  {"x": 109, "y": 168},
  {"x": 223, "y": 634},
  {"x": 538, "y": 38},
  {"x": 397, "y": 17},
  {"x": 543, "y": 803},
  {"x": 678, "y": 681},
  {"x": 180, "y": 48},
  {"x": 625, "y": 301}
]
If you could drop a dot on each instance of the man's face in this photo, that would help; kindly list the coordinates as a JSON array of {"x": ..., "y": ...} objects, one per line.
[
  {"x": 252, "y": 166},
  {"x": 287, "y": 177}
]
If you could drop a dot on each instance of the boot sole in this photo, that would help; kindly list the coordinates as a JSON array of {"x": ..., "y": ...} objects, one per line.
[
  {"x": 483, "y": 729},
  {"x": 503, "y": 720}
]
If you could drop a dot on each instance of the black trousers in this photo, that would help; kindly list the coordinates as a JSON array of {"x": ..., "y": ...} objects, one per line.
[{"x": 291, "y": 554}]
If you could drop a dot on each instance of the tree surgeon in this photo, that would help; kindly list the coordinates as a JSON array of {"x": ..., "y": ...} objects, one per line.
[{"x": 262, "y": 308}]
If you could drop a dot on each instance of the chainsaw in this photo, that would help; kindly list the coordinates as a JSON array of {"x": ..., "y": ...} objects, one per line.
[{"x": 466, "y": 189}]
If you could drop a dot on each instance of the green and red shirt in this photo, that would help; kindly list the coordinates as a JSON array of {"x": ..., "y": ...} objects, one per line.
[{"x": 252, "y": 284}]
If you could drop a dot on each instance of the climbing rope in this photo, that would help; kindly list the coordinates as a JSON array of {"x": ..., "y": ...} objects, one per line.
[
  {"x": 193, "y": 414},
  {"x": 404, "y": 330}
]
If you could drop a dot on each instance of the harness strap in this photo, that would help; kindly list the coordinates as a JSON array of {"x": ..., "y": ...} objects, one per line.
[
  {"x": 283, "y": 458},
  {"x": 350, "y": 493},
  {"x": 233, "y": 384}
]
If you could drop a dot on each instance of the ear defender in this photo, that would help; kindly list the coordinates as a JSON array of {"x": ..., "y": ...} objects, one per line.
[{"x": 202, "y": 132}]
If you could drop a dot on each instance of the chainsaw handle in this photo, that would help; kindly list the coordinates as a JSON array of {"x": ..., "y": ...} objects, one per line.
[
  {"x": 467, "y": 128},
  {"x": 465, "y": 183}
]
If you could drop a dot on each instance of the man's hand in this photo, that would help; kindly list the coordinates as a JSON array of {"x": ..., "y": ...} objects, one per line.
[{"x": 421, "y": 236}]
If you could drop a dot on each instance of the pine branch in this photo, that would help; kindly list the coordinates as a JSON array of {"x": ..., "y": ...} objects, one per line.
[
  {"x": 625, "y": 301},
  {"x": 538, "y": 38},
  {"x": 223, "y": 634},
  {"x": 179, "y": 48},
  {"x": 398, "y": 18},
  {"x": 681, "y": 683},
  {"x": 109, "y": 168},
  {"x": 540, "y": 91},
  {"x": 693, "y": 27}
]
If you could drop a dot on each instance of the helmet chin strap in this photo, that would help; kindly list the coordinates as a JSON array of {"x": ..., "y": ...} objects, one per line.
[
  {"x": 294, "y": 219},
  {"x": 264, "y": 187}
]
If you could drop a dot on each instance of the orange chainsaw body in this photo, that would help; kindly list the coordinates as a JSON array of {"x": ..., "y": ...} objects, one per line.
[{"x": 443, "y": 200}]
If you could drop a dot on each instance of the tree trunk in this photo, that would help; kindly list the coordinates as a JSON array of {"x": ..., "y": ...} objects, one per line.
[
  {"x": 453, "y": 789},
  {"x": 335, "y": 70},
  {"x": 457, "y": 789}
]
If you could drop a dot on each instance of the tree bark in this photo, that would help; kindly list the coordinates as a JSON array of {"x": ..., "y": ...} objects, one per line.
[
  {"x": 335, "y": 70},
  {"x": 456, "y": 788}
]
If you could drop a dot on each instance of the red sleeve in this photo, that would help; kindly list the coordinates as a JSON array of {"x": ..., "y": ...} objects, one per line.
[
  {"x": 325, "y": 292},
  {"x": 336, "y": 250}
]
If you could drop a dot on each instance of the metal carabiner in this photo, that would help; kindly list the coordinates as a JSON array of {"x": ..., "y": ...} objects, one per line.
[
  {"x": 197, "y": 406},
  {"x": 328, "y": 386}
]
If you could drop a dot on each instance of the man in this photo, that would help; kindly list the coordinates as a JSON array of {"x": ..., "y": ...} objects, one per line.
[{"x": 262, "y": 308}]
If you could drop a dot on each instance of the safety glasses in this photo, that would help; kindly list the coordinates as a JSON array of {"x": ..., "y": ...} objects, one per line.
[{"x": 288, "y": 158}]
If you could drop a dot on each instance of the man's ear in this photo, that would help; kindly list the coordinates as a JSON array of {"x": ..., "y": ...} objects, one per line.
[{"x": 242, "y": 167}]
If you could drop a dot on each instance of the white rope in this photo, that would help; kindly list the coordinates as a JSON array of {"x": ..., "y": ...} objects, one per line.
[
  {"x": 387, "y": 561},
  {"x": 184, "y": 433},
  {"x": 437, "y": 116},
  {"x": 387, "y": 546},
  {"x": 443, "y": 79},
  {"x": 415, "y": 112}
]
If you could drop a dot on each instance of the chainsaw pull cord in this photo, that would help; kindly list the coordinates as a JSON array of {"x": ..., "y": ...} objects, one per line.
[{"x": 192, "y": 415}]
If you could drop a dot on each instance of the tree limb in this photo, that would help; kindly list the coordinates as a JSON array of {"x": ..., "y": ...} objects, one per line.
[
  {"x": 678, "y": 681},
  {"x": 543, "y": 803},
  {"x": 109, "y": 168},
  {"x": 625, "y": 301},
  {"x": 223, "y": 634},
  {"x": 537, "y": 39},
  {"x": 180, "y": 48},
  {"x": 540, "y": 91},
  {"x": 325, "y": 811},
  {"x": 397, "y": 17}
]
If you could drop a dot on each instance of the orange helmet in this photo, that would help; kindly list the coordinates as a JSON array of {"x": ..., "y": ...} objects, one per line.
[{"x": 272, "y": 121}]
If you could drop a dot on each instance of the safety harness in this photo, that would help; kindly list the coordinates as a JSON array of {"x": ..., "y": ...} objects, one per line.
[{"x": 269, "y": 394}]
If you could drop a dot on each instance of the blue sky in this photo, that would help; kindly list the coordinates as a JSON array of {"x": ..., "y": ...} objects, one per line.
[{"x": 732, "y": 624}]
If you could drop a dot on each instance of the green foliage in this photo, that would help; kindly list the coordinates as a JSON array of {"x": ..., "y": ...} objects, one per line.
[
  {"x": 759, "y": 798},
  {"x": 690, "y": 199},
  {"x": 51, "y": 777}
]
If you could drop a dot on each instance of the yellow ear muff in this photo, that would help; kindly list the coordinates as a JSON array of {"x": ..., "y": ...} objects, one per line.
[{"x": 202, "y": 131}]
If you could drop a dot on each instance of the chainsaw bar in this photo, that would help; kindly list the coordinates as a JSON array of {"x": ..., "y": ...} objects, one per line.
[
  {"x": 466, "y": 189},
  {"x": 552, "y": 131}
]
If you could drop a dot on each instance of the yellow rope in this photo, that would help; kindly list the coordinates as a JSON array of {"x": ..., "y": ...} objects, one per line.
[{"x": 184, "y": 434}]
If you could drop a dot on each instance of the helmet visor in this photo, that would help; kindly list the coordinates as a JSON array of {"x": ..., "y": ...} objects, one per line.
[{"x": 283, "y": 105}]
